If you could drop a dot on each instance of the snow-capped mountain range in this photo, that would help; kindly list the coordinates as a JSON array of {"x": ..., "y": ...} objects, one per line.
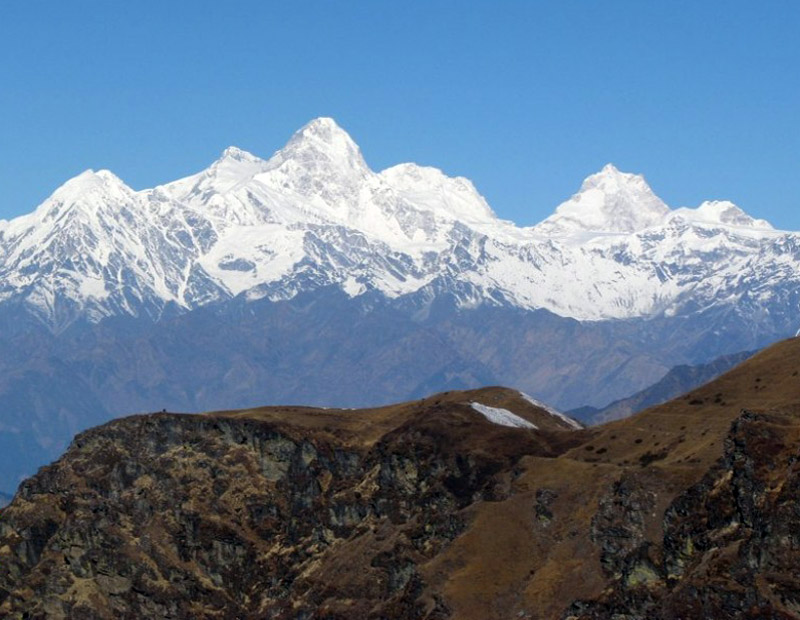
[
  {"x": 315, "y": 214},
  {"x": 310, "y": 278}
]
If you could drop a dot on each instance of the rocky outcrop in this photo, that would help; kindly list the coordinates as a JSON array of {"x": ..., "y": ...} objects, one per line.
[
  {"x": 174, "y": 516},
  {"x": 730, "y": 544}
]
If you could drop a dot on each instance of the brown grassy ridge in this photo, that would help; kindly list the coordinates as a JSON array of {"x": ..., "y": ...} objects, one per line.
[
  {"x": 528, "y": 547},
  {"x": 504, "y": 561}
]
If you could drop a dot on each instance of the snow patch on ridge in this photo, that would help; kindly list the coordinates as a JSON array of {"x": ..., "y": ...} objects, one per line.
[
  {"x": 503, "y": 417},
  {"x": 553, "y": 412}
]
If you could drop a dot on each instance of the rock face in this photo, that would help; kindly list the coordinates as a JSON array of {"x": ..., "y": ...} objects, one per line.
[
  {"x": 424, "y": 510},
  {"x": 229, "y": 518},
  {"x": 175, "y": 516},
  {"x": 730, "y": 542}
]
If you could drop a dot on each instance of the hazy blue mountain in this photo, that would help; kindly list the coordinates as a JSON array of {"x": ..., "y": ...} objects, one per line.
[{"x": 677, "y": 381}]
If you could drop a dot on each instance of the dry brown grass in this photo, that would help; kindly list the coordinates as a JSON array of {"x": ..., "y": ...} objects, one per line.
[{"x": 509, "y": 562}]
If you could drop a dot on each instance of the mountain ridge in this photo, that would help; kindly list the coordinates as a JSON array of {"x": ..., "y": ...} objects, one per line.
[
  {"x": 424, "y": 509},
  {"x": 679, "y": 380},
  {"x": 315, "y": 214}
]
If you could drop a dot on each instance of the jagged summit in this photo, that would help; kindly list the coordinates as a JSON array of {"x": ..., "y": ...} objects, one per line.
[
  {"x": 456, "y": 197},
  {"x": 319, "y": 144},
  {"x": 234, "y": 153},
  {"x": 315, "y": 215},
  {"x": 233, "y": 167},
  {"x": 321, "y": 136},
  {"x": 323, "y": 128},
  {"x": 86, "y": 181},
  {"x": 236, "y": 163},
  {"x": 608, "y": 201}
]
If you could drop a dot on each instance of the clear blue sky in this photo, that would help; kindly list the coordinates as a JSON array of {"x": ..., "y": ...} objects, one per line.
[{"x": 524, "y": 98}]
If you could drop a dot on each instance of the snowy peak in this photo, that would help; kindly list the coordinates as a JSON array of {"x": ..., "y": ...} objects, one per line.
[
  {"x": 609, "y": 201},
  {"x": 324, "y": 129},
  {"x": 233, "y": 153},
  {"x": 88, "y": 181},
  {"x": 235, "y": 165},
  {"x": 455, "y": 198},
  {"x": 87, "y": 192},
  {"x": 236, "y": 162},
  {"x": 724, "y": 212},
  {"x": 233, "y": 168},
  {"x": 318, "y": 157},
  {"x": 315, "y": 215},
  {"x": 321, "y": 143}
]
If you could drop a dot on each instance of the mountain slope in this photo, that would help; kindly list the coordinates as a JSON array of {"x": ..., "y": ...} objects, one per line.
[
  {"x": 323, "y": 476},
  {"x": 677, "y": 381},
  {"x": 424, "y": 510}
]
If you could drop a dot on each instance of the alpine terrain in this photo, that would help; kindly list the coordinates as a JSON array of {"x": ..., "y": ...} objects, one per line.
[
  {"x": 308, "y": 277},
  {"x": 471, "y": 505}
]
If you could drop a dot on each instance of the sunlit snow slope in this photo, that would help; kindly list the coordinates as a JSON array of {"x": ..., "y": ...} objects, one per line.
[{"x": 316, "y": 215}]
